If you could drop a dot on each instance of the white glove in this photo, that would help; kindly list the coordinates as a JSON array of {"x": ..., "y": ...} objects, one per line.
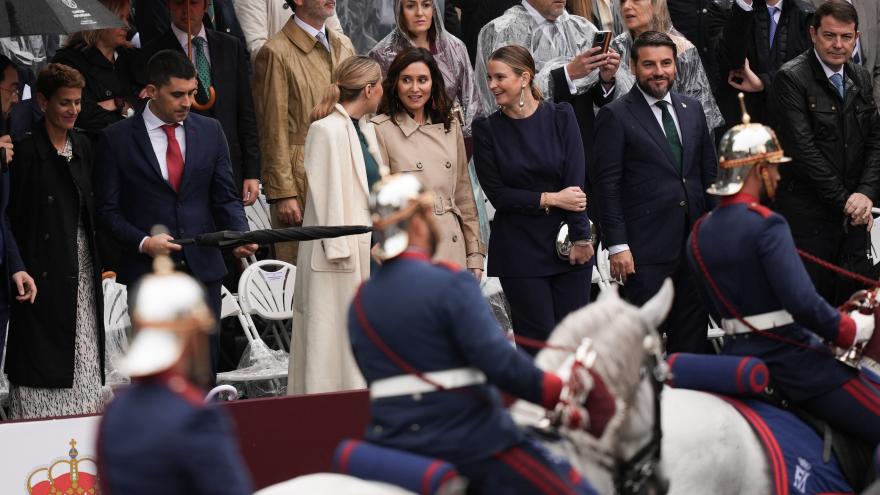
[{"x": 864, "y": 326}]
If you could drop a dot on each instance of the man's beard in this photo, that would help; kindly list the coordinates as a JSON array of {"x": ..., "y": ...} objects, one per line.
[{"x": 643, "y": 84}]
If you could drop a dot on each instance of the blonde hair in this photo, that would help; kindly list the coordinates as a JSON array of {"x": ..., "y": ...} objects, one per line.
[
  {"x": 583, "y": 8},
  {"x": 660, "y": 20},
  {"x": 122, "y": 9},
  {"x": 351, "y": 77},
  {"x": 521, "y": 62}
]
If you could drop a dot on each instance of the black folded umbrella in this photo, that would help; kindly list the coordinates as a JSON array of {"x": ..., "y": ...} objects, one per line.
[
  {"x": 26, "y": 17},
  {"x": 231, "y": 238}
]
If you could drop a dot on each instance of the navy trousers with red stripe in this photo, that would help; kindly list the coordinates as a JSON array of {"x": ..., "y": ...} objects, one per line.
[
  {"x": 854, "y": 408},
  {"x": 524, "y": 469}
]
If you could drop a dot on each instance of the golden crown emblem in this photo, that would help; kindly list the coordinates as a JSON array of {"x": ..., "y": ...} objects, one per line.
[{"x": 71, "y": 482}]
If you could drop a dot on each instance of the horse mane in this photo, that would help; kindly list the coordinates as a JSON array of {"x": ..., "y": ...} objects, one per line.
[{"x": 617, "y": 330}]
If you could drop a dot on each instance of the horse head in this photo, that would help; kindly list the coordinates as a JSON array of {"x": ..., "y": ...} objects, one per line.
[{"x": 626, "y": 353}]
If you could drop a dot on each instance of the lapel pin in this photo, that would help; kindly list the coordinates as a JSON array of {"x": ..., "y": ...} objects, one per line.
[{"x": 683, "y": 105}]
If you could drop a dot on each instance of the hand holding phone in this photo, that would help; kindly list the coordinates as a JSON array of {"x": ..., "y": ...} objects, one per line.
[{"x": 602, "y": 39}]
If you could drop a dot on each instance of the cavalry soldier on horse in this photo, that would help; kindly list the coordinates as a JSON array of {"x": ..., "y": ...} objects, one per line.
[
  {"x": 748, "y": 268},
  {"x": 432, "y": 352}
]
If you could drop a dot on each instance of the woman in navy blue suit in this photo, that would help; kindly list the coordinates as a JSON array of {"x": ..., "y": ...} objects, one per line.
[{"x": 529, "y": 158}]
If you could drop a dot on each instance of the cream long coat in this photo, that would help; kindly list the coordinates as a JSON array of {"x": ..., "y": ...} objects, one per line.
[
  {"x": 329, "y": 271},
  {"x": 439, "y": 159},
  {"x": 261, "y": 19}
]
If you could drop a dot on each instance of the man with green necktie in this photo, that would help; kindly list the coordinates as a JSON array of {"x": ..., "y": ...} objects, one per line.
[{"x": 655, "y": 160}]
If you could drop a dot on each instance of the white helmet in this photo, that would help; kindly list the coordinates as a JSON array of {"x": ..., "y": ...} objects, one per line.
[{"x": 169, "y": 309}]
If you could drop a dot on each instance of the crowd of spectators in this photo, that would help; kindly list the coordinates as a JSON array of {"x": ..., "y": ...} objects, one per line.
[{"x": 312, "y": 125}]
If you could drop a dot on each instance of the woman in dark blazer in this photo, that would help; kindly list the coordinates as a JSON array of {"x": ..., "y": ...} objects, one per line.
[
  {"x": 530, "y": 161},
  {"x": 55, "y": 352},
  {"x": 109, "y": 65}
]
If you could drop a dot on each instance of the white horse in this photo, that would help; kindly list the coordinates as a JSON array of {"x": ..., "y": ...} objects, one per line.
[{"x": 707, "y": 447}]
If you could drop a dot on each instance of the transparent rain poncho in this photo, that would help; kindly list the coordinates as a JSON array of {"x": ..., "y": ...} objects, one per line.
[
  {"x": 261, "y": 372},
  {"x": 365, "y": 22},
  {"x": 451, "y": 56},
  {"x": 552, "y": 45},
  {"x": 690, "y": 77}
]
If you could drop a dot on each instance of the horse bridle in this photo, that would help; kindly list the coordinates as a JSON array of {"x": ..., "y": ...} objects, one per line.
[{"x": 641, "y": 473}]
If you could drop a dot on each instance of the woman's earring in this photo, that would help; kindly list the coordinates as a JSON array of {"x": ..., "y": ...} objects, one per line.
[{"x": 522, "y": 97}]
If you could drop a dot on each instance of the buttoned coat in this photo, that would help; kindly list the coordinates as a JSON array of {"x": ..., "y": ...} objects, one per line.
[
  {"x": 291, "y": 73},
  {"x": 438, "y": 158},
  {"x": 329, "y": 271}
]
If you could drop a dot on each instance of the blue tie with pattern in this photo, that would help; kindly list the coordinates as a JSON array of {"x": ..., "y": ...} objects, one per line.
[
  {"x": 837, "y": 81},
  {"x": 772, "y": 11}
]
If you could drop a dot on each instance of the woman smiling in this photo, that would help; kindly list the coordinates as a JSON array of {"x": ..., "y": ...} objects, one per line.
[{"x": 418, "y": 134}]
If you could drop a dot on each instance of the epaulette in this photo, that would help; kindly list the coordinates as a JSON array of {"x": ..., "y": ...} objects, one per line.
[
  {"x": 453, "y": 267},
  {"x": 761, "y": 209},
  {"x": 380, "y": 119}
]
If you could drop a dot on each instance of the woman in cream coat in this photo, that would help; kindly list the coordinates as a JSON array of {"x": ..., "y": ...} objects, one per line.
[
  {"x": 342, "y": 162},
  {"x": 417, "y": 133}
]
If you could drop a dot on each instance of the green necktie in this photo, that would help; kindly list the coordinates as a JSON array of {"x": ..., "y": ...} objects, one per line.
[
  {"x": 202, "y": 67},
  {"x": 671, "y": 132}
]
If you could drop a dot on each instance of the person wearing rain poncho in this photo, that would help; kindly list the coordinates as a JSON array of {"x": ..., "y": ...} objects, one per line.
[
  {"x": 419, "y": 23},
  {"x": 640, "y": 16},
  {"x": 556, "y": 40}
]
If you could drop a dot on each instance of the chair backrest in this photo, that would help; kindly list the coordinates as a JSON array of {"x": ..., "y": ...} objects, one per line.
[
  {"x": 228, "y": 305},
  {"x": 115, "y": 305},
  {"x": 266, "y": 289},
  {"x": 258, "y": 214}
]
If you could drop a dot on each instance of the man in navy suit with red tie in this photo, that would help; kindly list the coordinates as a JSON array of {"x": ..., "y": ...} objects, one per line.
[
  {"x": 655, "y": 159},
  {"x": 169, "y": 167}
]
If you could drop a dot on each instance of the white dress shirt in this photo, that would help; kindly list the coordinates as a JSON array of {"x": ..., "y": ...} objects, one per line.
[
  {"x": 658, "y": 114},
  {"x": 776, "y": 15},
  {"x": 309, "y": 29},
  {"x": 159, "y": 141},
  {"x": 182, "y": 38}
]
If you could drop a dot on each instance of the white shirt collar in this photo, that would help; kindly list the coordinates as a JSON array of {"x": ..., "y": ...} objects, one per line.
[
  {"x": 182, "y": 36},
  {"x": 309, "y": 29},
  {"x": 540, "y": 19},
  {"x": 151, "y": 121},
  {"x": 828, "y": 71},
  {"x": 778, "y": 5},
  {"x": 653, "y": 101}
]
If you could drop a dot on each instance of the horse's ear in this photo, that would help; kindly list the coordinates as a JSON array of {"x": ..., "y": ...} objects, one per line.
[
  {"x": 608, "y": 291},
  {"x": 656, "y": 309}
]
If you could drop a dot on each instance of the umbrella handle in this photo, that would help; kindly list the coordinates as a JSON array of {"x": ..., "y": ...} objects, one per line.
[
  {"x": 212, "y": 94},
  {"x": 183, "y": 242}
]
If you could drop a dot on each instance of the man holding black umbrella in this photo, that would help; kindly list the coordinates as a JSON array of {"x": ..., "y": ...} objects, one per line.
[{"x": 169, "y": 167}]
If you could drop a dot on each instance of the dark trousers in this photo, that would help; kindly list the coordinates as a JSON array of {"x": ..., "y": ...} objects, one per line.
[
  {"x": 537, "y": 304},
  {"x": 5, "y": 298},
  {"x": 687, "y": 324},
  {"x": 853, "y": 408},
  {"x": 525, "y": 468},
  {"x": 847, "y": 248}
]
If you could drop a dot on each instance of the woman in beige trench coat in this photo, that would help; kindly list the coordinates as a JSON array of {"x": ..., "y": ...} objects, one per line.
[
  {"x": 342, "y": 161},
  {"x": 417, "y": 133}
]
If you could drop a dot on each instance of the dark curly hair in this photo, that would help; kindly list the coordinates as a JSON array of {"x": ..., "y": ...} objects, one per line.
[{"x": 438, "y": 106}]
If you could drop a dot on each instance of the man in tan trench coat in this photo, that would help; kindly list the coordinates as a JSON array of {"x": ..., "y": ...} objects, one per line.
[{"x": 291, "y": 73}]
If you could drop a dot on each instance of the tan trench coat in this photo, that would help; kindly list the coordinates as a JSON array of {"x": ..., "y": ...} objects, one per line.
[
  {"x": 329, "y": 271},
  {"x": 439, "y": 159},
  {"x": 291, "y": 73}
]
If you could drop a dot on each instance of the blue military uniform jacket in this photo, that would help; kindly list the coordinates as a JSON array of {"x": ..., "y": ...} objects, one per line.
[
  {"x": 750, "y": 253},
  {"x": 158, "y": 436},
  {"x": 435, "y": 318}
]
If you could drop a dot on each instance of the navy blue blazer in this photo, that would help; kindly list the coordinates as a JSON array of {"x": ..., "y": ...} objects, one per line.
[
  {"x": 132, "y": 195},
  {"x": 647, "y": 200}
]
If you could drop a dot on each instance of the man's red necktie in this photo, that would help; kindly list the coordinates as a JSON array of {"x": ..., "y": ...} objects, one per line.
[{"x": 173, "y": 157}]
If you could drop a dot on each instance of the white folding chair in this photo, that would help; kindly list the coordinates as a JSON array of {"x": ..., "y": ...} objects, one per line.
[
  {"x": 117, "y": 325},
  {"x": 259, "y": 364},
  {"x": 258, "y": 219},
  {"x": 265, "y": 289}
]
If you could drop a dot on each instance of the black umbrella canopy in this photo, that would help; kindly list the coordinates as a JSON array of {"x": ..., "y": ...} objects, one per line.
[{"x": 27, "y": 17}]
